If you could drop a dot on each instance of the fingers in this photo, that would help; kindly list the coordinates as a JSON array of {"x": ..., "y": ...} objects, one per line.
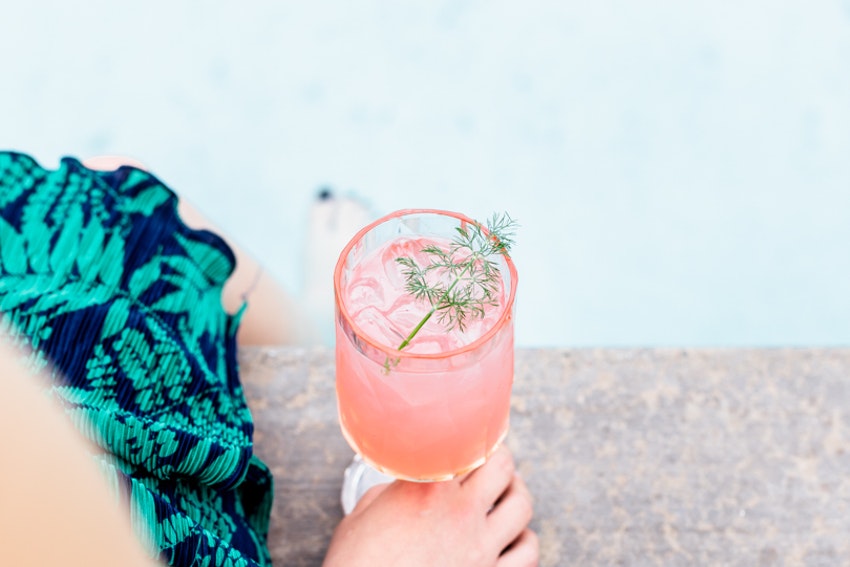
[
  {"x": 523, "y": 552},
  {"x": 489, "y": 481},
  {"x": 511, "y": 515}
]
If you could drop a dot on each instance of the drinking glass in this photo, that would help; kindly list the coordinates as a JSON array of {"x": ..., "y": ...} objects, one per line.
[{"x": 419, "y": 416}]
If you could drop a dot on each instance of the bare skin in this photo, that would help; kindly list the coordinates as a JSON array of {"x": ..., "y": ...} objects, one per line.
[
  {"x": 480, "y": 520},
  {"x": 55, "y": 508}
]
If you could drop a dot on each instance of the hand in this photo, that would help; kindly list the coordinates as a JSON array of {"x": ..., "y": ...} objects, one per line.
[{"x": 477, "y": 520}]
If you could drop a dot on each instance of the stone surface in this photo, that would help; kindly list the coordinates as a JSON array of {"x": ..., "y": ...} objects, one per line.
[{"x": 635, "y": 457}]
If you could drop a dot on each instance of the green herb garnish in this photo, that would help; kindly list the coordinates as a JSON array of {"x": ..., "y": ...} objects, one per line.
[{"x": 468, "y": 266}]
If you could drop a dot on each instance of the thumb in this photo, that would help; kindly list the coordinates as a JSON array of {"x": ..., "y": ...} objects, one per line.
[{"x": 370, "y": 496}]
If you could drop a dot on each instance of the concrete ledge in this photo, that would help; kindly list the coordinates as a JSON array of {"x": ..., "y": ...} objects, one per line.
[{"x": 635, "y": 457}]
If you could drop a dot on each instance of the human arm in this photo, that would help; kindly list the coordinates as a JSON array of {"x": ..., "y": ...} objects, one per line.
[{"x": 273, "y": 316}]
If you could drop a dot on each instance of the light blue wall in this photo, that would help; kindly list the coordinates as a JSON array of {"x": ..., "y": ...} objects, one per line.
[{"x": 681, "y": 169}]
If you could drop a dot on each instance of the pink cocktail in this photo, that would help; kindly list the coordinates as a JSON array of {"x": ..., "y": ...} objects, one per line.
[{"x": 439, "y": 406}]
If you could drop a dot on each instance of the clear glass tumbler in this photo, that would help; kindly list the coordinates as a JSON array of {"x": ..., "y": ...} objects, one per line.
[{"x": 417, "y": 416}]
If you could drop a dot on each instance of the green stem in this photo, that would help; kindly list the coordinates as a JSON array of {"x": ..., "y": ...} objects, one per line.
[
  {"x": 415, "y": 330},
  {"x": 427, "y": 316}
]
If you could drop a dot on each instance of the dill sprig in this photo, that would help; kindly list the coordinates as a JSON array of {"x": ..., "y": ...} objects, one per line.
[{"x": 466, "y": 263}]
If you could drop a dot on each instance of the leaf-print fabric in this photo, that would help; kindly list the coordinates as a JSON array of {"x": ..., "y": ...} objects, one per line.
[{"x": 120, "y": 303}]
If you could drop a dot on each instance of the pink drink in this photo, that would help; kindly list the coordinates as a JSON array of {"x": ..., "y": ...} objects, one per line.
[{"x": 440, "y": 406}]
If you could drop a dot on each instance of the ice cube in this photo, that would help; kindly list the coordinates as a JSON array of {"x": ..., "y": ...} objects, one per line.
[
  {"x": 394, "y": 271},
  {"x": 366, "y": 291},
  {"x": 375, "y": 325}
]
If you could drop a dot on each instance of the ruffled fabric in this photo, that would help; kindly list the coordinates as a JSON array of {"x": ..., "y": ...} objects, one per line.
[{"x": 120, "y": 302}]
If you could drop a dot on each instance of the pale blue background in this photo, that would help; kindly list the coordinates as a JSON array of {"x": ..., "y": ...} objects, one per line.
[{"x": 681, "y": 169}]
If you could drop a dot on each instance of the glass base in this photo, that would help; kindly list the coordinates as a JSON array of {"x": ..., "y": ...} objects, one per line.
[{"x": 359, "y": 477}]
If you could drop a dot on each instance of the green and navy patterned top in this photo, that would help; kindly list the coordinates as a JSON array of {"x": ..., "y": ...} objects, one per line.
[{"x": 120, "y": 303}]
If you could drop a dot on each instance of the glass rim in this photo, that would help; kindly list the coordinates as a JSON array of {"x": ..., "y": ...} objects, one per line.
[{"x": 393, "y": 352}]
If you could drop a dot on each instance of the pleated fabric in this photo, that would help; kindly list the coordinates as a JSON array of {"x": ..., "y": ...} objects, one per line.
[{"x": 112, "y": 296}]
